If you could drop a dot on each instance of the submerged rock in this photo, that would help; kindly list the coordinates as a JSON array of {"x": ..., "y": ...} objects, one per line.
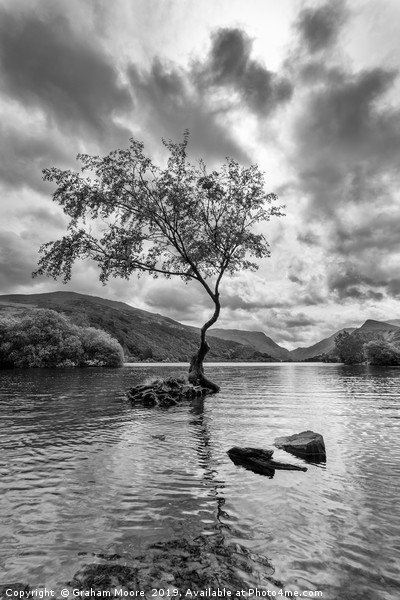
[
  {"x": 307, "y": 445},
  {"x": 178, "y": 565},
  {"x": 166, "y": 392},
  {"x": 259, "y": 461}
]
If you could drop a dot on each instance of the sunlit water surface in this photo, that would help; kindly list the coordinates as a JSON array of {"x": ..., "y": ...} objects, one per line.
[{"x": 81, "y": 472}]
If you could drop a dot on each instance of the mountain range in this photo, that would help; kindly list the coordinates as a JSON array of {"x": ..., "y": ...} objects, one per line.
[
  {"x": 143, "y": 335},
  {"x": 324, "y": 346},
  {"x": 255, "y": 339},
  {"x": 149, "y": 336}
]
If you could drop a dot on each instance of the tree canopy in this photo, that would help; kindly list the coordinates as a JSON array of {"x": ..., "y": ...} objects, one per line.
[
  {"x": 180, "y": 220},
  {"x": 381, "y": 352},
  {"x": 132, "y": 216},
  {"x": 350, "y": 347}
]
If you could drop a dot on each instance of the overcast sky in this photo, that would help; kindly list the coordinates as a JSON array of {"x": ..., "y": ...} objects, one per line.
[{"x": 308, "y": 90}]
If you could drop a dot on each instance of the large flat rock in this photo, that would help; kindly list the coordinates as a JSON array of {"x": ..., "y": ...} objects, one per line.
[{"x": 307, "y": 444}]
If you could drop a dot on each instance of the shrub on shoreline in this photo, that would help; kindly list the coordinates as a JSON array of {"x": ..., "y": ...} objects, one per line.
[
  {"x": 380, "y": 352},
  {"x": 45, "y": 338}
]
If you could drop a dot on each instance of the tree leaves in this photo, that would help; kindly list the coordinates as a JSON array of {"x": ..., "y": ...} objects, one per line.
[{"x": 130, "y": 216}]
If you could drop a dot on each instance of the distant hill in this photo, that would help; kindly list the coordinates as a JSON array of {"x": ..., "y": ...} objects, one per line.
[
  {"x": 371, "y": 329},
  {"x": 394, "y": 322},
  {"x": 380, "y": 330},
  {"x": 325, "y": 346},
  {"x": 256, "y": 339},
  {"x": 371, "y": 325},
  {"x": 143, "y": 335},
  {"x": 149, "y": 336}
]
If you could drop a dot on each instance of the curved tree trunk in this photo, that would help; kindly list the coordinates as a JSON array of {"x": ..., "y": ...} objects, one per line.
[{"x": 196, "y": 369}]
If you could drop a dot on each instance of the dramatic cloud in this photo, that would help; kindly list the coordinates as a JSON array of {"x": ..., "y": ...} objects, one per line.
[
  {"x": 345, "y": 139},
  {"x": 349, "y": 149},
  {"x": 16, "y": 262},
  {"x": 346, "y": 154},
  {"x": 315, "y": 104},
  {"x": 299, "y": 320},
  {"x": 199, "y": 98},
  {"x": 383, "y": 236},
  {"x": 320, "y": 27},
  {"x": 229, "y": 65},
  {"x": 44, "y": 63},
  {"x": 167, "y": 103},
  {"x": 23, "y": 155}
]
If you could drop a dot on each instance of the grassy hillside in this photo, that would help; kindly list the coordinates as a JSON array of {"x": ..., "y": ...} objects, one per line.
[
  {"x": 256, "y": 339},
  {"x": 143, "y": 335},
  {"x": 371, "y": 326}
]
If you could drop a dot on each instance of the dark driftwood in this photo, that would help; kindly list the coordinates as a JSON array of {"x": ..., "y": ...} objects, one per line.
[{"x": 259, "y": 461}]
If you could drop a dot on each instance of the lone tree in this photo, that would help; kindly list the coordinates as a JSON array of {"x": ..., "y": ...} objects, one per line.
[{"x": 181, "y": 220}]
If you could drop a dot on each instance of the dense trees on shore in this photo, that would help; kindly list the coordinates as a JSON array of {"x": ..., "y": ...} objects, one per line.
[
  {"x": 380, "y": 352},
  {"x": 355, "y": 348},
  {"x": 45, "y": 338},
  {"x": 350, "y": 347}
]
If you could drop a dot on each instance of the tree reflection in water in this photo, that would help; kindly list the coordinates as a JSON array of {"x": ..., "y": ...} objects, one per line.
[{"x": 256, "y": 568}]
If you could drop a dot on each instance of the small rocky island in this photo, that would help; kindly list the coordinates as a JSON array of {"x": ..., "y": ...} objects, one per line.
[{"x": 166, "y": 392}]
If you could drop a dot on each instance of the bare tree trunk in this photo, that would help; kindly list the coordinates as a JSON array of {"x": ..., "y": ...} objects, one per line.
[{"x": 196, "y": 369}]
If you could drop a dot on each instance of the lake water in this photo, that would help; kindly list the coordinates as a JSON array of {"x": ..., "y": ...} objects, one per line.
[{"x": 80, "y": 472}]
